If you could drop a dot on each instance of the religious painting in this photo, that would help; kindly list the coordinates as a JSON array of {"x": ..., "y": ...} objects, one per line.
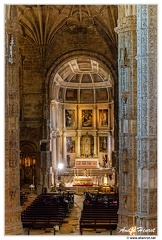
[
  {"x": 70, "y": 145},
  {"x": 86, "y": 118},
  {"x": 103, "y": 144},
  {"x": 103, "y": 118},
  {"x": 70, "y": 118}
]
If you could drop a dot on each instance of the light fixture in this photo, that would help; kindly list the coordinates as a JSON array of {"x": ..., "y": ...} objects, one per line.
[{"x": 60, "y": 166}]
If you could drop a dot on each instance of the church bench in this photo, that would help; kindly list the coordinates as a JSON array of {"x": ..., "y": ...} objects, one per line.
[
  {"x": 101, "y": 223},
  {"x": 45, "y": 212},
  {"x": 35, "y": 223},
  {"x": 100, "y": 210},
  {"x": 97, "y": 216},
  {"x": 43, "y": 208},
  {"x": 42, "y": 214}
]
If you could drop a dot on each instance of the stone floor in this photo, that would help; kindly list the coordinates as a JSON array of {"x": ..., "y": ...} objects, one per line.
[{"x": 71, "y": 223}]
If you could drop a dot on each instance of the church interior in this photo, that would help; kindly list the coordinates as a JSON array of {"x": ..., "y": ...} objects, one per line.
[{"x": 81, "y": 119}]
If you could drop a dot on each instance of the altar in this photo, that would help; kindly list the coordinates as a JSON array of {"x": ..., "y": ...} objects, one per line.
[
  {"x": 84, "y": 163},
  {"x": 82, "y": 181}
]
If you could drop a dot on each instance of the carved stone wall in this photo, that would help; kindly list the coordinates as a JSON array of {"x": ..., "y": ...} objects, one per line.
[
  {"x": 13, "y": 225},
  {"x": 147, "y": 117},
  {"x": 127, "y": 115}
]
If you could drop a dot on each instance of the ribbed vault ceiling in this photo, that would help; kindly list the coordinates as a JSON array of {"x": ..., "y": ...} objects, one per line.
[{"x": 42, "y": 25}]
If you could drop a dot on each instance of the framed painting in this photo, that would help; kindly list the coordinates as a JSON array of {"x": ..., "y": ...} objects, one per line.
[
  {"x": 69, "y": 118},
  {"x": 86, "y": 118},
  {"x": 103, "y": 118},
  {"x": 70, "y": 145}
]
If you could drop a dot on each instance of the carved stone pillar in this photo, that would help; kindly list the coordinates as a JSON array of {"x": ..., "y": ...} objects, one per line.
[
  {"x": 127, "y": 116},
  {"x": 58, "y": 143},
  {"x": 95, "y": 116},
  {"x": 54, "y": 155},
  {"x": 13, "y": 225},
  {"x": 78, "y": 141},
  {"x": 54, "y": 114},
  {"x": 63, "y": 136},
  {"x": 46, "y": 162},
  {"x": 95, "y": 144},
  {"x": 147, "y": 118},
  {"x": 109, "y": 150}
]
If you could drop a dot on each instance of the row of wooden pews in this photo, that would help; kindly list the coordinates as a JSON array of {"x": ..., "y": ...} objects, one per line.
[
  {"x": 47, "y": 210},
  {"x": 99, "y": 212}
]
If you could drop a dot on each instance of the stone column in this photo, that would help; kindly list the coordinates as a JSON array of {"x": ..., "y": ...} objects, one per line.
[
  {"x": 58, "y": 142},
  {"x": 54, "y": 159},
  {"x": 54, "y": 107},
  {"x": 63, "y": 136},
  {"x": 64, "y": 148},
  {"x": 94, "y": 116},
  {"x": 13, "y": 225},
  {"x": 147, "y": 118},
  {"x": 54, "y": 137},
  {"x": 78, "y": 141},
  {"x": 127, "y": 116},
  {"x": 79, "y": 117},
  {"x": 109, "y": 150},
  {"x": 59, "y": 135},
  {"x": 95, "y": 143}
]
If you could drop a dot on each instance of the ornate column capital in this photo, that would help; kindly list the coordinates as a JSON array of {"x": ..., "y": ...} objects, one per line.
[
  {"x": 54, "y": 103},
  {"x": 126, "y": 24}
]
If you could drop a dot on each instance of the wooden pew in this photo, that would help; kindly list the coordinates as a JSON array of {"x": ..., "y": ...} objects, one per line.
[
  {"x": 99, "y": 215},
  {"x": 42, "y": 214},
  {"x": 100, "y": 223}
]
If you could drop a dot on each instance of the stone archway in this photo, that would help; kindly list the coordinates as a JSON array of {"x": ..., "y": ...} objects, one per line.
[
  {"x": 28, "y": 163},
  {"x": 82, "y": 75}
]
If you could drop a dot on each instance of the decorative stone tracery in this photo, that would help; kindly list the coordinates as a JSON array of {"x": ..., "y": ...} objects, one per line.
[
  {"x": 13, "y": 225},
  {"x": 127, "y": 115},
  {"x": 147, "y": 117}
]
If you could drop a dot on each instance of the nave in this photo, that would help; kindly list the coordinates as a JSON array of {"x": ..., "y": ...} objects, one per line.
[
  {"x": 81, "y": 93},
  {"x": 83, "y": 203}
]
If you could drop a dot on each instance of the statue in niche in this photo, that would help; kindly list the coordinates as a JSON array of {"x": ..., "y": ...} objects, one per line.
[
  {"x": 70, "y": 144},
  {"x": 86, "y": 146},
  {"x": 103, "y": 144}
]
